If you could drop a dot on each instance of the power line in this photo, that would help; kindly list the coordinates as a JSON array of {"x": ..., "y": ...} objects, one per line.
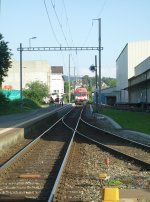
[
  {"x": 68, "y": 22},
  {"x": 0, "y": 7},
  {"x": 61, "y": 27},
  {"x": 51, "y": 23},
  {"x": 53, "y": 30},
  {"x": 102, "y": 9},
  {"x": 69, "y": 30},
  {"x": 91, "y": 27},
  {"x": 59, "y": 22},
  {"x": 89, "y": 32}
]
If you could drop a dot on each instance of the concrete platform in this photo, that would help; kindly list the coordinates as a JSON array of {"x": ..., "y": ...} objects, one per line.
[
  {"x": 128, "y": 200},
  {"x": 140, "y": 194},
  {"x": 16, "y": 127},
  {"x": 8, "y": 122}
]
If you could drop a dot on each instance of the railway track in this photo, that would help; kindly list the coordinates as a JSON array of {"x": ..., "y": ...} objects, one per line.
[
  {"x": 136, "y": 151},
  {"x": 10, "y": 151},
  {"x": 91, "y": 157},
  {"x": 32, "y": 172},
  {"x": 64, "y": 165},
  {"x": 80, "y": 180}
]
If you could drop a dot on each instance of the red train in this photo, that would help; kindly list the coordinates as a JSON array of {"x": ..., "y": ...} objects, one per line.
[{"x": 81, "y": 95}]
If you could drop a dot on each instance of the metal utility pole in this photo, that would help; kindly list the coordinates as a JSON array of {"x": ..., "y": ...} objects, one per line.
[
  {"x": 69, "y": 78},
  {"x": 99, "y": 25},
  {"x": 74, "y": 79},
  {"x": 21, "y": 73},
  {"x": 96, "y": 82},
  {"x": 99, "y": 53}
]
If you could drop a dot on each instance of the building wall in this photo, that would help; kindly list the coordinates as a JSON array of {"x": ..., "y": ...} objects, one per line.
[
  {"x": 137, "y": 52},
  {"x": 122, "y": 75},
  {"x": 122, "y": 69},
  {"x": 139, "y": 88},
  {"x": 142, "y": 67},
  {"x": 57, "y": 84},
  {"x": 31, "y": 71},
  {"x": 148, "y": 92},
  {"x": 131, "y": 56}
]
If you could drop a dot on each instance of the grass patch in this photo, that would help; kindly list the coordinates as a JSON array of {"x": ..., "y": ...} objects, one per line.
[
  {"x": 16, "y": 106},
  {"x": 138, "y": 121}
]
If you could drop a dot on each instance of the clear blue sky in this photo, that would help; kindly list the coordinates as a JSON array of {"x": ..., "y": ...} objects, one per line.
[{"x": 69, "y": 23}]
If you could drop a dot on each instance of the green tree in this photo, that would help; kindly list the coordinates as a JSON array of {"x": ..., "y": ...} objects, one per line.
[
  {"x": 90, "y": 91},
  {"x": 66, "y": 87},
  {"x": 3, "y": 100},
  {"x": 5, "y": 59},
  {"x": 85, "y": 80},
  {"x": 36, "y": 91},
  {"x": 111, "y": 82}
]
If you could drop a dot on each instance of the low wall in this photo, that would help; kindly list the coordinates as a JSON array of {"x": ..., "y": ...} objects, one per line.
[{"x": 29, "y": 130}]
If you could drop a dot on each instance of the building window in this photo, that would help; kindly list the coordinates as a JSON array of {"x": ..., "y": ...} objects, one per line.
[{"x": 56, "y": 91}]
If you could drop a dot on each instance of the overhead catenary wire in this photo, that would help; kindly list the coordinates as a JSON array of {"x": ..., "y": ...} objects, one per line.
[
  {"x": 0, "y": 7},
  {"x": 54, "y": 34},
  {"x": 91, "y": 27},
  {"x": 102, "y": 9},
  {"x": 69, "y": 30},
  {"x": 61, "y": 27},
  {"x": 67, "y": 21},
  {"x": 59, "y": 22},
  {"x": 50, "y": 23}
]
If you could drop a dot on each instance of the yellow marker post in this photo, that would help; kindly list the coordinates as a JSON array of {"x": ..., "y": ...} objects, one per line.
[{"x": 110, "y": 194}]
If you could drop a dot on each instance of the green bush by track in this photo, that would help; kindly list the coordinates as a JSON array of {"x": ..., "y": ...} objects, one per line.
[{"x": 17, "y": 106}]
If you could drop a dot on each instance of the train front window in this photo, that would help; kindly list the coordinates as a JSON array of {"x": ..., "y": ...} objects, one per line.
[
  {"x": 83, "y": 94},
  {"x": 78, "y": 94}
]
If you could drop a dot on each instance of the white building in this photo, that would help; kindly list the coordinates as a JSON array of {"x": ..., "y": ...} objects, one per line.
[
  {"x": 56, "y": 82},
  {"x": 31, "y": 71},
  {"x": 131, "y": 56}
]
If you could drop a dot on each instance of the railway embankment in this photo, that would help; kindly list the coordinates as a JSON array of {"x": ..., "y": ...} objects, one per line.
[{"x": 107, "y": 123}]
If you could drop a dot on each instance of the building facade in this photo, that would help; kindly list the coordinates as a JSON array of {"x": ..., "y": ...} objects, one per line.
[
  {"x": 31, "y": 71},
  {"x": 131, "y": 56},
  {"x": 139, "y": 85},
  {"x": 56, "y": 82}
]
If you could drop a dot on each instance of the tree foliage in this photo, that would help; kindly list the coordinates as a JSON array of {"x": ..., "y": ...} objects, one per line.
[
  {"x": 36, "y": 91},
  {"x": 86, "y": 80},
  {"x": 3, "y": 100},
  {"x": 66, "y": 87},
  {"x": 5, "y": 59},
  {"x": 110, "y": 82}
]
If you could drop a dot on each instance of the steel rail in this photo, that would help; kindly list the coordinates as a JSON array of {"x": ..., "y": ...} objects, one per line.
[
  {"x": 110, "y": 133},
  {"x": 145, "y": 164},
  {"x": 22, "y": 151},
  {"x": 94, "y": 141},
  {"x": 65, "y": 158}
]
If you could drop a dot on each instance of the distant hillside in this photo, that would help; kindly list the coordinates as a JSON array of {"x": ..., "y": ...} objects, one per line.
[{"x": 86, "y": 80}]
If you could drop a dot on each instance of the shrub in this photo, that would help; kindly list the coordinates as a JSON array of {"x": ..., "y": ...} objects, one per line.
[
  {"x": 36, "y": 91},
  {"x": 3, "y": 100}
]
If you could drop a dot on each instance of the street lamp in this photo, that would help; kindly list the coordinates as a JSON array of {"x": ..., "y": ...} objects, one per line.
[{"x": 30, "y": 40}]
